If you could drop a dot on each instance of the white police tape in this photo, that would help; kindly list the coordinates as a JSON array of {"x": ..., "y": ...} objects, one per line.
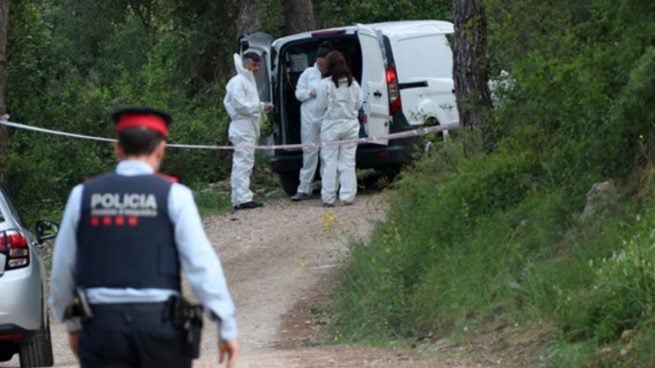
[{"x": 379, "y": 139}]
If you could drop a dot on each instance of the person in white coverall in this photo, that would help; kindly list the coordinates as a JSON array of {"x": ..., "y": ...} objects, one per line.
[
  {"x": 339, "y": 98},
  {"x": 244, "y": 108},
  {"x": 310, "y": 121}
]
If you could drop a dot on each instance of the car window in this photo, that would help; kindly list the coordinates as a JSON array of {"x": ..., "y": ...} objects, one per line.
[
  {"x": 12, "y": 209},
  {"x": 2, "y": 215}
]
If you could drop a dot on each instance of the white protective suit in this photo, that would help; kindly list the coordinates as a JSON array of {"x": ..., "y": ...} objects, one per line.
[
  {"x": 310, "y": 128},
  {"x": 244, "y": 108},
  {"x": 340, "y": 106}
]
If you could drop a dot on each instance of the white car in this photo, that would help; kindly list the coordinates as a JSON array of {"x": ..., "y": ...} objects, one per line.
[{"x": 24, "y": 322}]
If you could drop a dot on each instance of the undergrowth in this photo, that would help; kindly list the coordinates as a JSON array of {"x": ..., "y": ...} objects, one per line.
[{"x": 477, "y": 238}]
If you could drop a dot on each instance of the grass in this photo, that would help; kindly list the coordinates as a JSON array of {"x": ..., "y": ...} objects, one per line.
[
  {"x": 214, "y": 198},
  {"x": 476, "y": 241},
  {"x": 211, "y": 202}
]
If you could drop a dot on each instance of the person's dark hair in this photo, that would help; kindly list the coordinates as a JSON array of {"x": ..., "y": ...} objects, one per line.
[
  {"x": 252, "y": 56},
  {"x": 139, "y": 141},
  {"x": 338, "y": 68},
  {"x": 324, "y": 49}
]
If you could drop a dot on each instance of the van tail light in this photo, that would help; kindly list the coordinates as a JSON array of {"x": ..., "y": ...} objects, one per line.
[
  {"x": 394, "y": 91},
  {"x": 14, "y": 245}
]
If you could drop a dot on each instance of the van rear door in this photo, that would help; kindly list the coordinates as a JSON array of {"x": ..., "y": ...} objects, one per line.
[
  {"x": 374, "y": 84},
  {"x": 261, "y": 43}
]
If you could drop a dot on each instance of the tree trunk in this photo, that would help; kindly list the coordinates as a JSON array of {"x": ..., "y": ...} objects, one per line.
[
  {"x": 298, "y": 16},
  {"x": 4, "y": 137},
  {"x": 470, "y": 63},
  {"x": 248, "y": 20}
]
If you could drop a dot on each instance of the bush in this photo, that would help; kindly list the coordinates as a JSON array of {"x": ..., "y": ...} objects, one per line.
[
  {"x": 476, "y": 237},
  {"x": 62, "y": 78},
  {"x": 622, "y": 290},
  {"x": 440, "y": 239}
]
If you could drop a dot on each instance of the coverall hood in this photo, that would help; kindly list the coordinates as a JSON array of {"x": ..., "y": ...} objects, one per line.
[{"x": 238, "y": 65}]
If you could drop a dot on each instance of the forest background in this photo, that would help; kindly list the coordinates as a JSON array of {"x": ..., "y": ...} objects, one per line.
[{"x": 487, "y": 230}]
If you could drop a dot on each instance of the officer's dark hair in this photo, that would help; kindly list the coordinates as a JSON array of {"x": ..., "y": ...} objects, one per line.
[
  {"x": 136, "y": 141},
  {"x": 324, "y": 49},
  {"x": 139, "y": 141},
  {"x": 252, "y": 56}
]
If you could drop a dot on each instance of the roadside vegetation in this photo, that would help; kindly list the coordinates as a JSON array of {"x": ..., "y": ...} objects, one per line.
[{"x": 479, "y": 237}]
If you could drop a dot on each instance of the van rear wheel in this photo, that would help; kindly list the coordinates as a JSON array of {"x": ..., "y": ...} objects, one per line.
[
  {"x": 290, "y": 182},
  {"x": 380, "y": 178}
]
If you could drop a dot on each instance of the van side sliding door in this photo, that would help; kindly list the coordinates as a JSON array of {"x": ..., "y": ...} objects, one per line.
[{"x": 374, "y": 84}]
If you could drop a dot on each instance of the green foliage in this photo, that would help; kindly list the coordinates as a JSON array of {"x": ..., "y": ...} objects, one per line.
[
  {"x": 476, "y": 237},
  {"x": 621, "y": 292},
  {"x": 272, "y": 17},
  {"x": 574, "y": 84},
  {"x": 418, "y": 262},
  {"x": 69, "y": 73},
  {"x": 334, "y": 13},
  {"x": 471, "y": 237},
  {"x": 211, "y": 203}
]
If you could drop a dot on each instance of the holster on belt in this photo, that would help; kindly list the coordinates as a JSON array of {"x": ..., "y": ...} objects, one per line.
[{"x": 188, "y": 317}]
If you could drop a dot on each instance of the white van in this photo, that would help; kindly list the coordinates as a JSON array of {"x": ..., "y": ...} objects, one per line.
[{"x": 404, "y": 68}]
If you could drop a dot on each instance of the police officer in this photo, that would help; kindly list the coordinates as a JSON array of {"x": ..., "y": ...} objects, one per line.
[{"x": 124, "y": 239}]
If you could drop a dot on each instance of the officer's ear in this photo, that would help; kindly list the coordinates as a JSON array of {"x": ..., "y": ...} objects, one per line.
[
  {"x": 161, "y": 149},
  {"x": 118, "y": 151}
]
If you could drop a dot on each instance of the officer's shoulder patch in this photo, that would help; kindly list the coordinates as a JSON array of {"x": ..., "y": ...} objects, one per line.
[{"x": 169, "y": 178}]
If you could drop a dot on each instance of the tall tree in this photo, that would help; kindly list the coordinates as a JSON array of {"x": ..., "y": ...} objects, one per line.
[
  {"x": 470, "y": 62},
  {"x": 248, "y": 19},
  {"x": 4, "y": 137},
  {"x": 298, "y": 16}
]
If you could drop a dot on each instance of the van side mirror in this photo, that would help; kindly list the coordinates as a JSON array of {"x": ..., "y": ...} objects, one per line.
[{"x": 46, "y": 230}]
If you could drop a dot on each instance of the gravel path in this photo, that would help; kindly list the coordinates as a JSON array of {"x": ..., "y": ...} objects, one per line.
[{"x": 280, "y": 260}]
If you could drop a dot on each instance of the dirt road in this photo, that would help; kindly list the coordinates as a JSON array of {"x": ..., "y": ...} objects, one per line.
[{"x": 280, "y": 261}]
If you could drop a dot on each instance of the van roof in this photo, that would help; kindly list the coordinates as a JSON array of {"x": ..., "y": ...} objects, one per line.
[
  {"x": 414, "y": 27},
  {"x": 395, "y": 29}
]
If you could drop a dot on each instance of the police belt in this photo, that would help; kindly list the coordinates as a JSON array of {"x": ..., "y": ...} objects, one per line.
[
  {"x": 176, "y": 310},
  {"x": 152, "y": 307}
]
